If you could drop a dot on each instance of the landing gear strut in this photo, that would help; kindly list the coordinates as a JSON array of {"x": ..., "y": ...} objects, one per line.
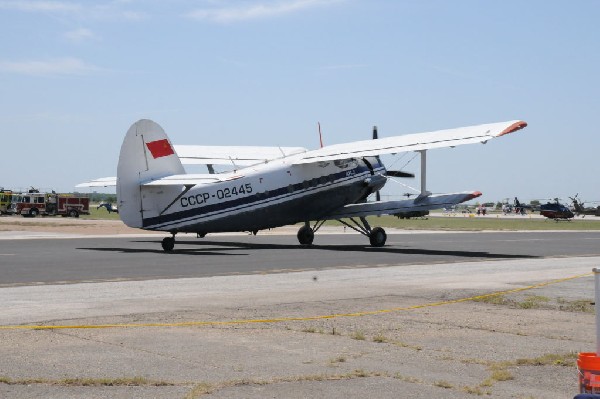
[
  {"x": 168, "y": 243},
  {"x": 377, "y": 236}
]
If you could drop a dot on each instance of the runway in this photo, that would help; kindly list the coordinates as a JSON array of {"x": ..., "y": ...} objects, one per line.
[
  {"x": 232, "y": 316},
  {"x": 73, "y": 260}
]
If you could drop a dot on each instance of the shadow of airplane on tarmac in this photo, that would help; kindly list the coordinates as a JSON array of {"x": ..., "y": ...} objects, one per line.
[{"x": 227, "y": 248}]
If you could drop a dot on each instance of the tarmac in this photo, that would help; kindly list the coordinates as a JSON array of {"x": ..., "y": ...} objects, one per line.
[{"x": 499, "y": 328}]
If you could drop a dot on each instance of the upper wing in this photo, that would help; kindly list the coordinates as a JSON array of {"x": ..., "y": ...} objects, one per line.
[
  {"x": 412, "y": 142},
  {"x": 227, "y": 155},
  {"x": 242, "y": 156},
  {"x": 421, "y": 203}
]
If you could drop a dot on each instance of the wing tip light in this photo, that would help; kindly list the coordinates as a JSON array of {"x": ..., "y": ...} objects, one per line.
[{"x": 514, "y": 127}]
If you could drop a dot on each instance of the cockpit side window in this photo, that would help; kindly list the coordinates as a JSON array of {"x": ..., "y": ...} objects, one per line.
[{"x": 345, "y": 163}]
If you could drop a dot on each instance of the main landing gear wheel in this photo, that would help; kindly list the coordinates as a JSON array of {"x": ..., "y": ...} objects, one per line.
[
  {"x": 168, "y": 243},
  {"x": 306, "y": 235},
  {"x": 377, "y": 237}
]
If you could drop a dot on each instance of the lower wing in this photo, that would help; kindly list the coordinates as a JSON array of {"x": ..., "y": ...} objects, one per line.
[{"x": 421, "y": 203}]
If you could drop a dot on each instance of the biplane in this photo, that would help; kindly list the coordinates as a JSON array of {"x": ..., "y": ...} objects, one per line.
[{"x": 273, "y": 186}]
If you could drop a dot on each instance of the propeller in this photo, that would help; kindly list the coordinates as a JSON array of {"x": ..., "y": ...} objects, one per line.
[
  {"x": 389, "y": 173},
  {"x": 375, "y": 137},
  {"x": 399, "y": 173}
]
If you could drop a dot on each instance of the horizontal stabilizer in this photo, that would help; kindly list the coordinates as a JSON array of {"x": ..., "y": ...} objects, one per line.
[
  {"x": 101, "y": 182},
  {"x": 421, "y": 203},
  {"x": 190, "y": 179},
  {"x": 173, "y": 180},
  {"x": 228, "y": 155}
]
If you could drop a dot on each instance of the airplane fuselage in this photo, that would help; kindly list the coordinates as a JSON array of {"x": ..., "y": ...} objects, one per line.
[{"x": 263, "y": 196}]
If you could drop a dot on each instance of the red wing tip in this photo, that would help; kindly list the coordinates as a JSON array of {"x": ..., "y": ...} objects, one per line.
[
  {"x": 474, "y": 195},
  {"x": 513, "y": 128}
]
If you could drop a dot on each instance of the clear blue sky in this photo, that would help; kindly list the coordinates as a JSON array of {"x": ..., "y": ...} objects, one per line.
[{"x": 74, "y": 75}]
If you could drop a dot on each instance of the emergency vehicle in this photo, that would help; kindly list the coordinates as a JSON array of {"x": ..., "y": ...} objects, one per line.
[
  {"x": 35, "y": 203},
  {"x": 5, "y": 196}
]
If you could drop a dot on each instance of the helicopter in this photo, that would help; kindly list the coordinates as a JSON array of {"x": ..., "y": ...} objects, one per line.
[
  {"x": 556, "y": 211},
  {"x": 580, "y": 208}
]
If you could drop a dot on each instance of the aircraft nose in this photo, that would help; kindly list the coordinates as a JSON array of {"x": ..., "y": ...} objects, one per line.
[{"x": 375, "y": 182}]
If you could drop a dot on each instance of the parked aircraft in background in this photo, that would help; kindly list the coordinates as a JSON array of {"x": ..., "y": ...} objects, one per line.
[
  {"x": 272, "y": 186},
  {"x": 580, "y": 208},
  {"x": 556, "y": 211},
  {"x": 109, "y": 207},
  {"x": 519, "y": 207},
  {"x": 409, "y": 214}
]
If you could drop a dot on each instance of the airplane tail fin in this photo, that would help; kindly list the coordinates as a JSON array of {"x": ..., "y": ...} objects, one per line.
[{"x": 146, "y": 154}]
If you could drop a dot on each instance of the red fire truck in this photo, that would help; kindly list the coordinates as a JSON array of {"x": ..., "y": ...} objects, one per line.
[
  {"x": 35, "y": 203},
  {"x": 5, "y": 196}
]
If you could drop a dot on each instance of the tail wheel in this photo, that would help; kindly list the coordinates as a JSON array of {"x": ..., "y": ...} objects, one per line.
[
  {"x": 306, "y": 235},
  {"x": 73, "y": 213},
  {"x": 377, "y": 237},
  {"x": 168, "y": 243}
]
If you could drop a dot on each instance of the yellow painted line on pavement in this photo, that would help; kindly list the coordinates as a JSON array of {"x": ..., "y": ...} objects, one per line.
[{"x": 284, "y": 319}]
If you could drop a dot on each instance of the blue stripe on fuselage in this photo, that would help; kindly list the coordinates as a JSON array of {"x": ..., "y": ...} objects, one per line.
[{"x": 193, "y": 216}]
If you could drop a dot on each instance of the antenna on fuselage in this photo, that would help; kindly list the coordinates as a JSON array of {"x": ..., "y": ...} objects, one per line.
[{"x": 320, "y": 135}]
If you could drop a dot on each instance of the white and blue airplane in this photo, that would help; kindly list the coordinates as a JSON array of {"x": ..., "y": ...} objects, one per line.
[{"x": 272, "y": 186}]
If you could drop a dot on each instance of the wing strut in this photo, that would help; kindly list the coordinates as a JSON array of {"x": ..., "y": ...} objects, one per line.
[
  {"x": 424, "y": 191},
  {"x": 364, "y": 228}
]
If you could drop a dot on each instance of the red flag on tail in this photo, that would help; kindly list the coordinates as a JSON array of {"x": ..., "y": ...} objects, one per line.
[{"x": 160, "y": 148}]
